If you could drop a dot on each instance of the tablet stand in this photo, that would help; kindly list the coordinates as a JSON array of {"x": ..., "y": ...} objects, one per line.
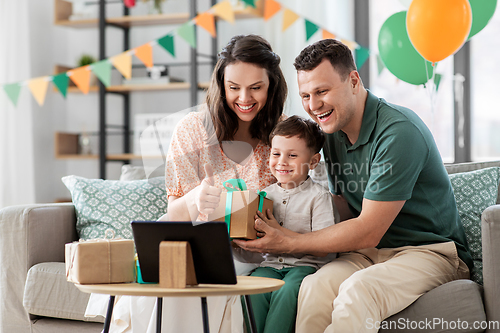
[{"x": 176, "y": 265}]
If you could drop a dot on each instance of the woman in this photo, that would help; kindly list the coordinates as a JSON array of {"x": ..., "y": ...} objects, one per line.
[
  {"x": 231, "y": 136},
  {"x": 228, "y": 138}
]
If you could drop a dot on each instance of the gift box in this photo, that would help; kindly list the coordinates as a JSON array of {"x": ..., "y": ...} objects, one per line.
[
  {"x": 238, "y": 207},
  {"x": 100, "y": 261}
]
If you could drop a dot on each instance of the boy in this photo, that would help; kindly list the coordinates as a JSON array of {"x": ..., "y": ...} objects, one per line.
[{"x": 300, "y": 205}]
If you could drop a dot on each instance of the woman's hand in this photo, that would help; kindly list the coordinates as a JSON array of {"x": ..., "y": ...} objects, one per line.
[{"x": 207, "y": 196}]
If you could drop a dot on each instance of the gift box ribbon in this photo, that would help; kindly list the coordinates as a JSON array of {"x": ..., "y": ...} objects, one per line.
[{"x": 232, "y": 185}]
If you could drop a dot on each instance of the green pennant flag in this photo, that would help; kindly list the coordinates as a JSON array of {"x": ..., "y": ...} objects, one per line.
[
  {"x": 250, "y": 3},
  {"x": 102, "y": 70},
  {"x": 311, "y": 28},
  {"x": 380, "y": 64},
  {"x": 61, "y": 82},
  {"x": 188, "y": 33},
  {"x": 12, "y": 91},
  {"x": 437, "y": 80},
  {"x": 362, "y": 54},
  {"x": 167, "y": 42}
]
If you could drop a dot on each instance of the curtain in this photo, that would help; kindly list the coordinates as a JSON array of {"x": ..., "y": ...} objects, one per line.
[{"x": 17, "y": 184}]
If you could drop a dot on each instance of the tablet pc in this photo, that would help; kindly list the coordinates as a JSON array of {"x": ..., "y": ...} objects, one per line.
[{"x": 210, "y": 246}]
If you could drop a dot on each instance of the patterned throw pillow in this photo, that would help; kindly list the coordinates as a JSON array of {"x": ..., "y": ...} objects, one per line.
[
  {"x": 474, "y": 192},
  {"x": 104, "y": 204}
]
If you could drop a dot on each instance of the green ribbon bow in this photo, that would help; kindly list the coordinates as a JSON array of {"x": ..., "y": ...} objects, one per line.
[{"x": 232, "y": 185}]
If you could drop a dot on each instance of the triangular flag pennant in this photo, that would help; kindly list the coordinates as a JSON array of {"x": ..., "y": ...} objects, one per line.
[
  {"x": 123, "y": 63},
  {"x": 380, "y": 64},
  {"x": 224, "y": 10},
  {"x": 206, "y": 20},
  {"x": 12, "y": 91},
  {"x": 61, "y": 82},
  {"x": 437, "y": 80},
  {"x": 145, "y": 54},
  {"x": 350, "y": 44},
  {"x": 328, "y": 35},
  {"x": 102, "y": 70},
  {"x": 271, "y": 7},
  {"x": 188, "y": 33},
  {"x": 311, "y": 29},
  {"x": 38, "y": 88},
  {"x": 362, "y": 54},
  {"x": 167, "y": 42},
  {"x": 250, "y": 3},
  {"x": 81, "y": 77},
  {"x": 289, "y": 18}
]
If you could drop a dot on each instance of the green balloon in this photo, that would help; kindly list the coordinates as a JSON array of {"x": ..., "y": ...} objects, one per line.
[
  {"x": 482, "y": 12},
  {"x": 399, "y": 55}
]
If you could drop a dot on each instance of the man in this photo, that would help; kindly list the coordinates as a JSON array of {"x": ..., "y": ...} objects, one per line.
[{"x": 401, "y": 234}]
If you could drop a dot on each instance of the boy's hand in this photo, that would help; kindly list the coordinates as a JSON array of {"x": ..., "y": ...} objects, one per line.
[{"x": 269, "y": 219}]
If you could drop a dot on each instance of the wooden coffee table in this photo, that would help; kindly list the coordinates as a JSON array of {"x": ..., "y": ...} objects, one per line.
[{"x": 247, "y": 285}]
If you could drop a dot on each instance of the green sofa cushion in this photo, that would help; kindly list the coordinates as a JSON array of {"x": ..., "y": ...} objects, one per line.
[
  {"x": 474, "y": 192},
  {"x": 113, "y": 204}
]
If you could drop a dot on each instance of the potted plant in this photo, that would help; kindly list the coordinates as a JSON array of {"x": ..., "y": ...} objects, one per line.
[
  {"x": 84, "y": 60},
  {"x": 155, "y": 6}
]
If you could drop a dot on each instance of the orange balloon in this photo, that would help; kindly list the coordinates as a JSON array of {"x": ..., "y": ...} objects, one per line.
[{"x": 438, "y": 28}]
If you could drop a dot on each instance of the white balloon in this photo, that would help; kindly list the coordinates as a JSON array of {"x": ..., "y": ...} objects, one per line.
[{"x": 406, "y": 3}]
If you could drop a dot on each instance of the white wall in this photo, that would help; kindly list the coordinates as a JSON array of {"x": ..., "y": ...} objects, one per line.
[{"x": 60, "y": 45}]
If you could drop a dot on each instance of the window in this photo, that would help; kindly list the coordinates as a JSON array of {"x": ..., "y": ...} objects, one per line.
[
  {"x": 485, "y": 111},
  {"x": 438, "y": 116}
]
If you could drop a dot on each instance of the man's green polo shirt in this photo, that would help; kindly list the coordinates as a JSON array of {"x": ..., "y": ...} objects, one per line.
[{"x": 395, "y": 158}]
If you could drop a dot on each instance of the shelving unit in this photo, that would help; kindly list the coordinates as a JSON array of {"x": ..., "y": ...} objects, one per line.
[{"x": 63, "y": 11}]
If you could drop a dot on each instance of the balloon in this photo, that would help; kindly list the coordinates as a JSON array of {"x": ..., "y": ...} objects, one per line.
[
  {"x": 399, "y": 55},
  {"x": 438, "y": 28},
  {"x": 482, "y": 12}
]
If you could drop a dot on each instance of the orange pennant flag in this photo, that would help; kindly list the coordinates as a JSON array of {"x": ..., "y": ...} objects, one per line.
[
  {"x": 328, "y": 35},
  {"x": 289, "y": 18},
  {"x": 271, "y": 7},
  {"x": 224, "y": 10},
  {"x": 38, "y": 88},
  {"x": 207, "y": 22},
  {"x": 145, "y": 54},
  {"x": 81, "y": 77},
  {"x": 123, "y": 63},
  {"x": 350, "y": 44}
]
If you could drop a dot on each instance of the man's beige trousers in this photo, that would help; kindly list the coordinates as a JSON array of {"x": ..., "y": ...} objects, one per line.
[{"x": 364, "y": 287}]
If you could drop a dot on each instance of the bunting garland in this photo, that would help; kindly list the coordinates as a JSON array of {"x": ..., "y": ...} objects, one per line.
[{"x": 206, "y": 20}]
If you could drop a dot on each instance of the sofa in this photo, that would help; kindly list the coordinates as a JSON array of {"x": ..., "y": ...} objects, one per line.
[{"x": 35, "y": 296}]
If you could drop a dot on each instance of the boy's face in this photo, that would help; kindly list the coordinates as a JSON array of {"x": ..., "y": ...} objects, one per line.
[{"x": 291, "y": 160}]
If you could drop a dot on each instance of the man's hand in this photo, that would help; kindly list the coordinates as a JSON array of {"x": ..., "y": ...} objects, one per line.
[{"x": 274, "y": 240}]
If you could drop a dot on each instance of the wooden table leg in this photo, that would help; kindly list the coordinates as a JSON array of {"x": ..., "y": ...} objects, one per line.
[
  {"x": 109, "y": 314},
  {"x": 159, "y": 310},
  {"x": 251, "y": 317},
  {"x": 204, "y": 312}
]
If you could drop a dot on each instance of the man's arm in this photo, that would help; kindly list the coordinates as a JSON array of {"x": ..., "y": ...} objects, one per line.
[{"x": 361, "y": 232}]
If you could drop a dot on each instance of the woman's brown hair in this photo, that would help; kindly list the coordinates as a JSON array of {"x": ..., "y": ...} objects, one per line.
[{"x": 255, "y": 50}]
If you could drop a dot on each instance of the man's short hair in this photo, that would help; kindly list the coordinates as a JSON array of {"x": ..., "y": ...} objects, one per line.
[
  {"x": 339, "y": 55},
  {"x": 303, "y": 128}
]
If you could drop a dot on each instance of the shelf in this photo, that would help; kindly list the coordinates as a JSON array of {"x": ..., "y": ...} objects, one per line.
[
  {"x": 110, "y": 157},
  {"x": 67, "y": 148},
  {"x": 143, "y": 87},
  {"x": 64, "y": 9}
]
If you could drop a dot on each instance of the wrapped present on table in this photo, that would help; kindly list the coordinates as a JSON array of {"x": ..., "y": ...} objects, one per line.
[
  {"x": 238, "y": 207},
  {"x": 99, "y": 261}
]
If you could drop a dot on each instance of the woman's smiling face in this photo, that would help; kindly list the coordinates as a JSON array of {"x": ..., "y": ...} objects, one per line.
[{"x": 246, "y": 87}]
